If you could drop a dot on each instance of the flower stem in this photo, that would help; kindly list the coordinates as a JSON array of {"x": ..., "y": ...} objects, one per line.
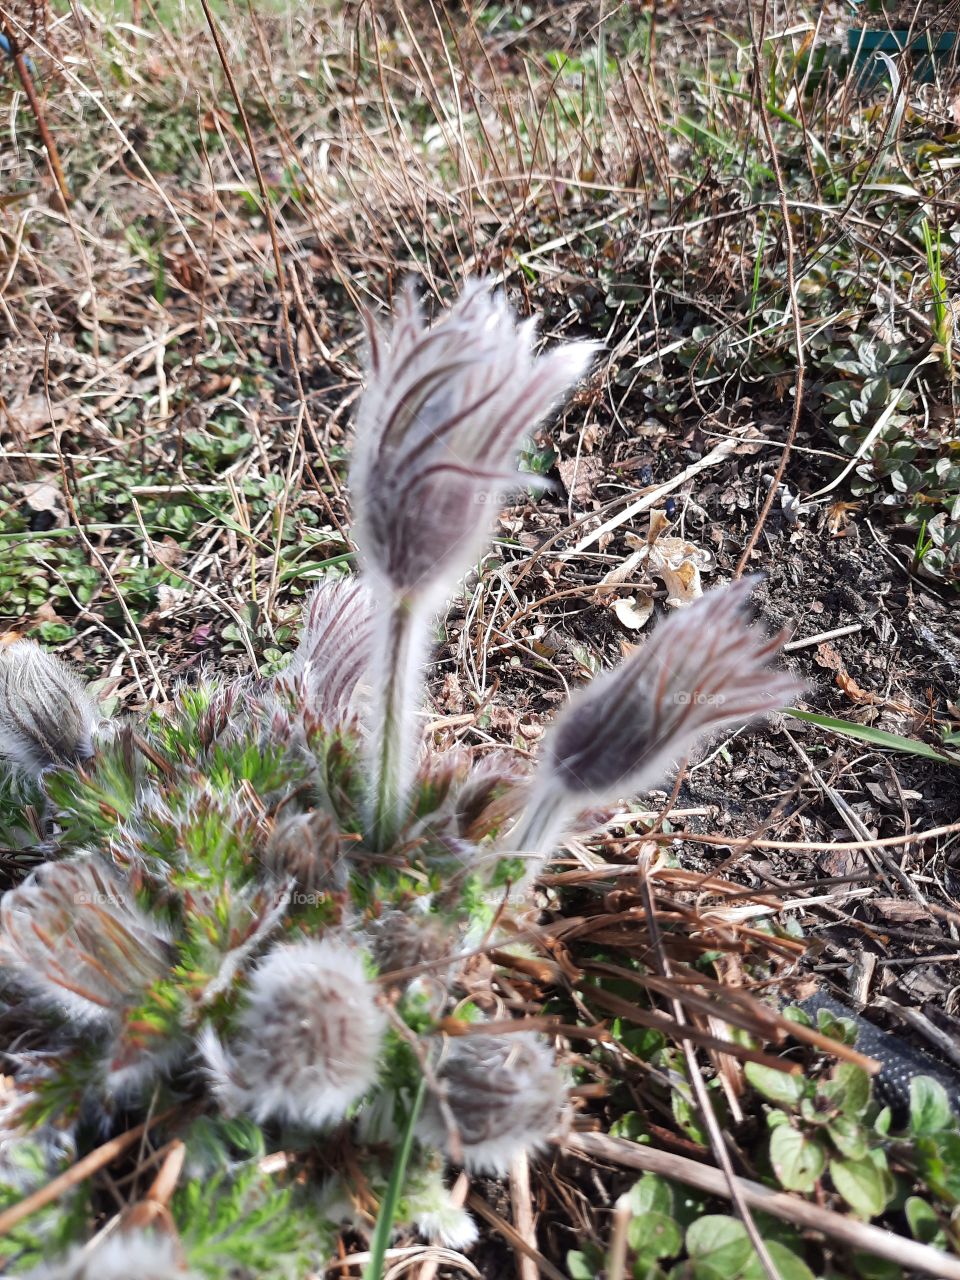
[
  {"x": 390, "y": 723},
  {"x": 541, "y": 826}
]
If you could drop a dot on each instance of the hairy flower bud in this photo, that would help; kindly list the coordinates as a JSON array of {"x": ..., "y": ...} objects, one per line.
[
  {"x": 404, "y": 939},
  {"x": 46, "y": 715},
  {"x": 307, "y": 848},
  {"x": 438, "y": 429},
  {"x": 437, "y": 437},
  {"x": 332, "y": 657},
  {"x": 431, "y": 1207},
  {"x": 72, "y": 934},
  {"x": 465, "y": 797},
  {"x": 305, "y": 1047},
  {"x": 505, "y": 1095},
  {"x": 120, "y": 1257},
  {"x": 223, "y": 718},
  {"x": 703, "y": 668}
]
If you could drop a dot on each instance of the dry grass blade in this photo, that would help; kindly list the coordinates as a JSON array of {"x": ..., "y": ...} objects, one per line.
[{"x": 512, "y": 1236}]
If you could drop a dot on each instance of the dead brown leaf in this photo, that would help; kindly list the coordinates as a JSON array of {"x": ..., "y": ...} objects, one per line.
[{"x": 580, "y": 476}]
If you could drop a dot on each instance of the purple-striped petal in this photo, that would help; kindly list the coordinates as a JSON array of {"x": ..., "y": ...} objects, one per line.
[
  {"x": 703, "y": 668},
  {"x": 438, "y": 430}
]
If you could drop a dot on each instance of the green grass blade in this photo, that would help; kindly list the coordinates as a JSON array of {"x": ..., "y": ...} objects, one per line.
[
  {"x": 388, "y": 1209},
  {"x": 876, "y": 737},
  {"x": 316, "y": 568}
]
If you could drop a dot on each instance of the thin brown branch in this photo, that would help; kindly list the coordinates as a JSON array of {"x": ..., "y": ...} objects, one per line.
[
  {"x": 77, "y": 1173},
  {"x": 46, "y": 137},
  {"x": 512, "y": 1236},
  {"x": 848, "y": 1231}
]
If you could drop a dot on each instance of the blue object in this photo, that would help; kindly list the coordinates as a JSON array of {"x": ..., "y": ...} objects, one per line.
[
  {"x": 865, "y": 44},
  {"x": 5, "y": 47}
]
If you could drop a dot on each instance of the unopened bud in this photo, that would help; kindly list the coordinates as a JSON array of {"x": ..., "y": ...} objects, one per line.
[
  {"x": 306, "y": 1046},
  {"x": 46, "y": 715},
  {"x": 72, "y": 934},
  {"x": 504, "y": 1093},
  {"x": 307, "y": 848}
]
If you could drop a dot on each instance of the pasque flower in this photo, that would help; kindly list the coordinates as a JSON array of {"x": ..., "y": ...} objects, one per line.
[
  {"x": 46, "y": 715},
  {"x": 307, "y": 848},
  {"x": 72, "y": 934},
  {"x": 505, "y": 1094},
  {"x": 703, "y": 668},
  {"x": 437, "y": 436},
  {"x": 305, "y": 1047},
  {"x": 401, "y": 940},
  {"x": 440, "y": 422},
  {"x": 333, "y": 655}
]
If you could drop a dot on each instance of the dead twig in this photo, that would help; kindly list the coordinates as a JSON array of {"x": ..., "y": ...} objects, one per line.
[
  {"x": 77, "y": 1173},
  {"x": 46, "y": 137},
  {"x": 718, "y": 1142},
  {"x": 512, "y": 1236},
  {"x": 847, "y": 1230},
  {"x": 521, "y": 1200}
]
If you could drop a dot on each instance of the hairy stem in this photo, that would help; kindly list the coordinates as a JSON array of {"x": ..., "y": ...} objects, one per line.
[{"x": 393, "y": 743}]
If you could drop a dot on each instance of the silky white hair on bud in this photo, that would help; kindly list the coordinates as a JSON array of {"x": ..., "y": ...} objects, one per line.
[
  {"x": 430, "y": 1206},
  {"x": 305, "y": 1048},
  {"x": 703, "y": 668},
  {"x": 73, "y": 935},
  {"x": 307, "y": 849},
  {"x": 438, "y": 430},
  {"x": 506, "y": 1095},
  {"x": 46, "y": 715},
  {"x": 331, "y": 662}
]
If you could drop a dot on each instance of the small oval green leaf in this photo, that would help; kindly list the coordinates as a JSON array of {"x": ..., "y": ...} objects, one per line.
[{"x": 798, "y": 1161}]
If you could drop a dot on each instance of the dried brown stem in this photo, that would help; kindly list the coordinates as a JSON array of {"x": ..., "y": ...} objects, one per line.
[
  {"x": 46, "y": 137},
  {"x": 718, "y": 1141},
  {"x": 278, "y": 267},
  {"x": 77, "y": 1173},
  {"x": 847, "y": 1230},
  {"x": 795, "y": 313}
]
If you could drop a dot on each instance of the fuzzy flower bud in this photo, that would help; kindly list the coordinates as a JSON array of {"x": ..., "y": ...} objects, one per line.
[
  {"x": 438, "y": 429},
  {"x": 437, "y": 437},
  {"x": 307, "y": 848},
  {"x": 404, "y": 939},
  {"x": 703, "y": 669},
  {"x": 72, "y": 934},
  {"x": 120, "y": 1257},
  {"x": 506, "y": 1095},
  {"x": 332, "y": 657},
  {"x": 224, "y": 717},
  {"x": 306, "y": 1045},
  {"x": 431, "y": 1207},
  {"x": 46, "y": 715}
]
